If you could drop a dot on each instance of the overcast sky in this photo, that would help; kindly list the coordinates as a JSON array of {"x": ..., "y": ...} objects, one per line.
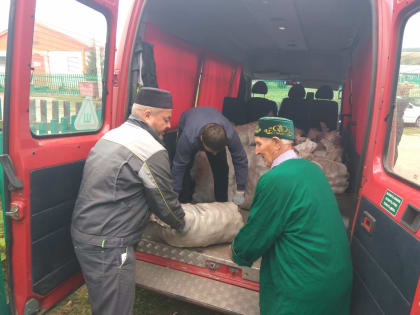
[
  {"x": 96, "y": 23},
  {"x": 75, "y": 20}
]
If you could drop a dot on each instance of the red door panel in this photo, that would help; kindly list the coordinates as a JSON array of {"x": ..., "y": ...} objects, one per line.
[
  {"x": 45, "y": 147},
  {"x": 385, "y": 238}
]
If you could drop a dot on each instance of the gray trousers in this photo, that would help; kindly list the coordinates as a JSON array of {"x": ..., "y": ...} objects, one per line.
[{"x": 110, "y": 277}]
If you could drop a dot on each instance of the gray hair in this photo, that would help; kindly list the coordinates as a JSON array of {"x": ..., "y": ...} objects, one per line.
[
  {"x": 138, "y": 110},
  {"x": 286, "y": 141}
]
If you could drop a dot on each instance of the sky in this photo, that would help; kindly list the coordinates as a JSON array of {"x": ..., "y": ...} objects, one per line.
[
  {"x": 65, "y": 22},
  {"x": 86, "y": 18}
]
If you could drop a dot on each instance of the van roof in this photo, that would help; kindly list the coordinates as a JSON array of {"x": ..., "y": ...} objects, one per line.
[{"x": 280, "y": 39}]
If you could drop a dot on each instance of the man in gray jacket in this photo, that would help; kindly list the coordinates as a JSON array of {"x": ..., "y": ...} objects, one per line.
[{"x": 126, "y": 178}]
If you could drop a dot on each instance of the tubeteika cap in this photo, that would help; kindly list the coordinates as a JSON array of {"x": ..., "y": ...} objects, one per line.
[
  {"x": 153, "y": 97},
  {"x": 270, "y": 127}
]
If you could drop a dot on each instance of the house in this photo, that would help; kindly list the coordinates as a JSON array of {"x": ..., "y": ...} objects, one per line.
[{"x": 53, "y": 52}]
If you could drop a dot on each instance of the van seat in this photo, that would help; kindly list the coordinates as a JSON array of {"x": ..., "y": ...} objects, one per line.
[
  {"x": 233, "y": 111},
  {"x": 258, "y": 107},
  {"x": 324, "y": 109},
  {"x": 296, "y": 108}
]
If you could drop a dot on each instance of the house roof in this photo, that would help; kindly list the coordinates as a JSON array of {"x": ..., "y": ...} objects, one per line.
[{"x": 49, "y": 39}]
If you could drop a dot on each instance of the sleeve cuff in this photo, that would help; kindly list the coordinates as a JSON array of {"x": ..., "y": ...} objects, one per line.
[
  {"x": 238, "y": 259},
  {"x": 240, "y": 187}
]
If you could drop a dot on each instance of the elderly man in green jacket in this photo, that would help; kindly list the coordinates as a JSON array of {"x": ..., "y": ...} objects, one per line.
[{"x": 296, "y": 227}]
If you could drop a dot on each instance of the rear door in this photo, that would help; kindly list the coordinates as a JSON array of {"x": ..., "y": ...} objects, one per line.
[
  {"x": 386, "y": 234},
  {"x": 58, "y": 91}
]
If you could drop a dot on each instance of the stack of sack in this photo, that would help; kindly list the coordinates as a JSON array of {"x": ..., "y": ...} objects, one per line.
[
  {"x": 322, "y": 147},
  {"x": 207, "y": 224}
]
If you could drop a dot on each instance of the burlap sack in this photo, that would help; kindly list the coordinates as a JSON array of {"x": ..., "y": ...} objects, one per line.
[
  {"x": 210, "y": 223},
  {"x": 203, "y": 178}
]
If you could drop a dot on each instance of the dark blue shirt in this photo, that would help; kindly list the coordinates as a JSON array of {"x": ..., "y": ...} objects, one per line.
[{"x": 189, "y": 129}]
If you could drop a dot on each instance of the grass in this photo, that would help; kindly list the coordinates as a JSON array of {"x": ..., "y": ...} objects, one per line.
[
  {"x": 146, "y": 303},
  {"x": 277, "y": 94},
  {"x": 2, "y": 239}
]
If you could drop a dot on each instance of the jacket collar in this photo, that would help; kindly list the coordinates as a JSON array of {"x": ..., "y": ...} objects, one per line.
[{"x": 140, "y": 123}]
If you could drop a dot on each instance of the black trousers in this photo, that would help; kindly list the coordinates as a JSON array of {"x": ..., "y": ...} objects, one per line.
[{"x": 220, "y": 170}]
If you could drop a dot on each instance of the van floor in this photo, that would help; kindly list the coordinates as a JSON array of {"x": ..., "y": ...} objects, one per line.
[{"x": 220, "y": 253}]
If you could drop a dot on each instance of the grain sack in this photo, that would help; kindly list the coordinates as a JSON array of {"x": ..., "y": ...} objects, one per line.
[
  {"x": 335, "y": 172},
  {"x": 256, "y": 169},
  {"x": 210, "y": 223},
  {"x": 306, "y": 147},
  {"x": 203, "y": 179},
  {"x": 246, "y": 133}
]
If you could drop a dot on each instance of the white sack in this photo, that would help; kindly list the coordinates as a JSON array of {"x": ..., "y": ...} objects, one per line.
[
  {"x": 211, "y": 223},
  {"x": 335, "y": 172},
  {"x": 306, "y": 147}
]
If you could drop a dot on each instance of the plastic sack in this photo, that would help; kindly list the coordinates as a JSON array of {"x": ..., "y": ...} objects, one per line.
[{"x": 210, "y": 223}]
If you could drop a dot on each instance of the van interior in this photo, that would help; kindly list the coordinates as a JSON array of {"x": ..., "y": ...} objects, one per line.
[{"x": 205, "y": 51}]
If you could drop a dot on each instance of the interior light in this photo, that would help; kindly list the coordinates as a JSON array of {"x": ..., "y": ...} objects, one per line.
[{"x": 282, "y": 28}]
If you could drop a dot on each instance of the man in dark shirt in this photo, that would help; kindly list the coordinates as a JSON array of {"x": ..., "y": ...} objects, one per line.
[{"x": 206, "y": 129}]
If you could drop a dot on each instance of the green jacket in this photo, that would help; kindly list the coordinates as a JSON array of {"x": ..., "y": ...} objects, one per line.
[{"x": 296, "y": 227}]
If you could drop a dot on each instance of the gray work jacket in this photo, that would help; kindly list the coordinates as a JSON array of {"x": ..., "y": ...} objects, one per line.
[{"x": 126, "y": 177}]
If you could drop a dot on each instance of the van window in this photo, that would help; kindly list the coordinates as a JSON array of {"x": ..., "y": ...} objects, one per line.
[
  {"x": 4, "y": 20},
  {"x": 403, "y": 148},
  {"x": 277, "y": 90},
  {"x": 67, "y": 68}
]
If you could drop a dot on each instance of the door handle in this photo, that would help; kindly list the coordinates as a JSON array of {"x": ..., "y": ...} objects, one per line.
[{"x": 368, "y": 222}]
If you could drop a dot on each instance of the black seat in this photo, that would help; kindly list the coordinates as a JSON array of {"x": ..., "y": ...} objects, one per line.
[
  {"x": 258, "y": 107},
  {"x": 296, "y": 108},
  {"x": 324, "y": 110},
  {"x": 233, "y": 111}
]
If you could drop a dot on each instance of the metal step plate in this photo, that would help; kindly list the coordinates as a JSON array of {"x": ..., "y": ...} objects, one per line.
[
  {"x": 198, "y": 290},
  {"x": 150, "y": 244}
]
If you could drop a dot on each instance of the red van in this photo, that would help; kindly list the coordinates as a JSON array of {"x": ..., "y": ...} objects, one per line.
[{"x": 204, "y": 51}]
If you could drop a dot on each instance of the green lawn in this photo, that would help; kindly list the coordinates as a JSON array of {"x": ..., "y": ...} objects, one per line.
[
  {"x": 2, "y": 239},
  {"x": 277, "y": 94}
]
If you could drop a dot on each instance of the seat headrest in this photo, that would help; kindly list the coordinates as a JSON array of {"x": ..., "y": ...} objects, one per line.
[
  {"x": 325, "y": 92},
  {"x": 259, "y": 87},
  {"x": 297, "y": 91}
]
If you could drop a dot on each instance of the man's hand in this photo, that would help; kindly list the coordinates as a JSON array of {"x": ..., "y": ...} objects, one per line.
[
  {"x": 239, "y": 197},
  {"x": 187, "y": 225}
]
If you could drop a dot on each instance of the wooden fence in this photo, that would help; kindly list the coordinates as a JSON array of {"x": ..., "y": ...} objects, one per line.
[
  {"x": 56, "y": 117},
  {"x": 48, "y": 116}
]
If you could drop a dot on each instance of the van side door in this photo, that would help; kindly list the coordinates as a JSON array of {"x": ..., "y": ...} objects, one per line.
[{"x": 386, "y": 232}]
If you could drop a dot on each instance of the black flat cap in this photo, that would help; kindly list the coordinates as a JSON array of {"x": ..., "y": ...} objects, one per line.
[{"x": 153, "y": 97}]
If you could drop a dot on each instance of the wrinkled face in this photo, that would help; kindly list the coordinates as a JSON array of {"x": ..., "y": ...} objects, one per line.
[
  {"x": 267, "y": 148},
  {"x": 159, "y": 121}
]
